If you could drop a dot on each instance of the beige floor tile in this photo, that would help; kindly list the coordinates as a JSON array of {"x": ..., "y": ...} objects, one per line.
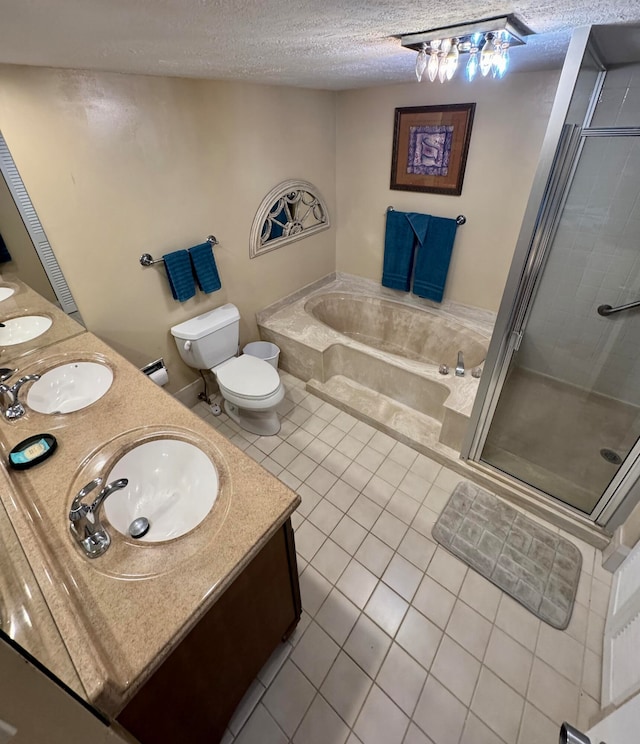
[
  {"x": 386, "y": 608},
  {"x": 261, "y": 729},
  {"x": 415, "y": 736},
  {"x": 348, "y": 534},
  {"x": 456, "y": 669},
  {"x": 497, "y": 705},
  {"x": 336, "y": 462},
  {"x": 382, "y": 442},
  {"x": 289, "y": 480},
  {"x": 392, "y": 472},
  {"x": 434, "y": 601},
  {"x": 552, "y": 694},
  {"x": 367, "y": 645},
  {"x": 331, "y": 560},
  {"x": 300, "y": 439},
  {"x": 437, "y": 498},
  {"x": 424, "y": 521},
  {"x": 351, "y": 446},
  {"x": 577, "y": 627},
  {"x": 369, "y": 459},
  {"x": 447, "y": 570},
  {"x": 509, "y": 660},
  {"x": 374, "y": 554},
  {"x": 439, "y": 713},
  {"x": 321, "y": 725},
  {"x": 561, "y": 652},
  {"x": 419, "y": 637},
  {"x": 357, "y": 583},
  {"x": 308, "y": 540},
  {"x": 415, "y": 486},
  {"x": 288, "y": 698},
  {"x": 403, "y": 507},
  {"x": 310, "y": 499},
  {"x": 599, "y": 598},
  {"x": 448, "y": 479},
  {"x": 246, "y": 706},
  {"x": 337, "y": 616},
  {"x": 588, "y": 711},
  {"x": 402, "y": 678},
  {"x": 389, "y": 529},
  {"x": 302, "y": 466},
  {"x": 536, "y": 728},
  {"x": 592, "y": 676},
  {"x": 321, "y": 480},
  {"x": 268, "y": 672},
  {"x": 342, "y": 495},
  {"x": 325, "y": 516},
  {"x": 417, "y": 548},
  {"x": 403, "y": 454},
  {"x": 346, "y": 687},
  {"x": 481, "y": 594},
  {"x": 316, "y": 450},
  {"x": 475, "y": 732},
  {"x": 518, "y": 622},
  {"x": 426, "y": 468},
  {"x": 364, "y": 511},
  {"x": 327, "y": 411},
  {"x": 331, "y": 435},
  {"x": 402, "y": 576},
  {"x": 314, "y": 589},
  {"x": 284, "y": 454},
  {"x": 362, "y": 431},
  {"x": 595, "y": 633},
  {"x": 379, "y": 491},
  {"x": 356, "y": 475},
  {"x": 315, "y": 653},
  {"x": 469, "y": 629},
  {"x": 381, "y": 721}
]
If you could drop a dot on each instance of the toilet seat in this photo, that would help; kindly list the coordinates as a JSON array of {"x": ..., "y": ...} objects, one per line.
[{"x": 248, "y": 378}]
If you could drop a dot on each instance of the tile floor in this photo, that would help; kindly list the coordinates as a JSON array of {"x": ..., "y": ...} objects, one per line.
[{"x": 399, "y": 642}]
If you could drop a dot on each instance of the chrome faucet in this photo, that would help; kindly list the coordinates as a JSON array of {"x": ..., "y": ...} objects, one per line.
[
  {"x": 460, "y": 365},
  {"x": 86, "y": 526},
  {"x": 15, "y": 409}
]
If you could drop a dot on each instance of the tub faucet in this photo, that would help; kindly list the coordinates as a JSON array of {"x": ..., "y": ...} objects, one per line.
[
  {"x": 460, "y": 365},
  {"x": 86, "y": 526},
  {"x": 14, "y": 409}
]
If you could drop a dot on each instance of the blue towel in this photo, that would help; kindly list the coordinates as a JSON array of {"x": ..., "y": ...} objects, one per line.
[
  {"x": 204, "y": 267},
  {"x": 399, "y": 243},
  {"x": 433, "y": 257},
  {"x": 4, "y": 252},
  {"x": 180, "y": 275}
]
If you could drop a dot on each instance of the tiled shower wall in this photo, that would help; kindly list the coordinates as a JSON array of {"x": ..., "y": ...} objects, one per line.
[{"x": 595, "y": 260}]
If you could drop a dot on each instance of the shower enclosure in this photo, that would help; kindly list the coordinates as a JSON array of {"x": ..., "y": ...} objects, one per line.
[{"x": 559, "y": 406}]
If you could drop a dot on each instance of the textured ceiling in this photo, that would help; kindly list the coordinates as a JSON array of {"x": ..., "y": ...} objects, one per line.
[{"x": 312, "y": 43}]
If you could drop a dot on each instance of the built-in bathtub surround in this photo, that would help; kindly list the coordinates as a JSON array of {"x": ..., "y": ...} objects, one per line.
[{"x": 376, "y": 352}]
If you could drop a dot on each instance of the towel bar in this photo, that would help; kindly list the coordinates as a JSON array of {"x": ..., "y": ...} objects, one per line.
[
  {"x": 460, "y": 219},
  {"x": 147, "y": 260}
]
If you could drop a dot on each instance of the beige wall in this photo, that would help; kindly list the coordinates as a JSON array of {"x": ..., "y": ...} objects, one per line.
[
  {"x": 120, "y": 165},
  {"x": 24, "y": 259},
  {"x": 510, "y": 120}
]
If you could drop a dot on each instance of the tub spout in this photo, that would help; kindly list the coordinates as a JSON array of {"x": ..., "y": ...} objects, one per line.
[{"x": 460, "y": 365}]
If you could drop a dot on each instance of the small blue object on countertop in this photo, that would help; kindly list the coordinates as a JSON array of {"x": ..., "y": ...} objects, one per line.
[
  {"x": 180, "y": 275},
  {"x": 204, "y": 267},
  {"x": 433, "y": 257}
]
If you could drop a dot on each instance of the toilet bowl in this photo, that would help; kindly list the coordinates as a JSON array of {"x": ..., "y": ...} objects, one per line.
[{"x": 251, "y": 389}]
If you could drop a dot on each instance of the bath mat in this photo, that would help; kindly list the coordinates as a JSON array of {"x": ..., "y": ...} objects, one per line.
[{"x": 537, "y": 567}]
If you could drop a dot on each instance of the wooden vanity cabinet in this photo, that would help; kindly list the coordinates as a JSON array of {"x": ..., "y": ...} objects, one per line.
[{"x": 193, "y": 694}]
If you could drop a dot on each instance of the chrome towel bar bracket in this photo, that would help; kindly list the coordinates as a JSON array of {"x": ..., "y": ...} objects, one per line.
[
  {"x": 460, "y": 219},
  {"x": 146, "y": 259},
  {"x": 608, "y": 310}
]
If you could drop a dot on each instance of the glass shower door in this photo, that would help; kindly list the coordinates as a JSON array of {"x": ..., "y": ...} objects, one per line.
[{"x": 569, "y": 411}]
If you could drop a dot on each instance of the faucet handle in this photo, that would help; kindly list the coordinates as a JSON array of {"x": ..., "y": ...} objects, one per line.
[
  {"x": 19, "y": 383},
  {"x": 78, "y": 509},
  {"x": 6, "y": 373}
]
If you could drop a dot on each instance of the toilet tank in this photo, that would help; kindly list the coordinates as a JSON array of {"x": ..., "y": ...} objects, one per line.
[{"x": 208, "y": 339}]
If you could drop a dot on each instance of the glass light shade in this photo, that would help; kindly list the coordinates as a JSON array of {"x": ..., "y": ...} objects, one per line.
[
  {"x": 486, "y": 55},
  {"x": 432, "y": 66},
  {"x": 451, "y": 64},
  {"x": 472, "y": 64},
  {"x": 442, "y": 65},
  {"x": 421, "y": 62},
  {"x": 500, "y": 62}
]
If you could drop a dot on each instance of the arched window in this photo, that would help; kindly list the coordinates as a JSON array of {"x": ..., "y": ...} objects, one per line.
[{"x": 290, "y": 211}]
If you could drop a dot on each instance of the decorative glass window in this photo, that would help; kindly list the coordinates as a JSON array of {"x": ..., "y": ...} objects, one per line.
[{"x": 290, "y": 211}]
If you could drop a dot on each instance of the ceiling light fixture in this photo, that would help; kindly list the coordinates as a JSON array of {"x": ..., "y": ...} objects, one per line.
[{"x": 487, "y": 42}]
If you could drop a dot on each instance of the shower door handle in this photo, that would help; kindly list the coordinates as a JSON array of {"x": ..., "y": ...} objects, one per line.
[{"x": 608, "y": 310}]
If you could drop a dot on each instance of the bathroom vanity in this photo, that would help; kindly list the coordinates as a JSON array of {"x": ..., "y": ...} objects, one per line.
[{"x": 164, "y": 637}]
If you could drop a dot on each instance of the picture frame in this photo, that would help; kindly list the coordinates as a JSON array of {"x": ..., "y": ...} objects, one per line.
[{"x": 430, "y": 148}]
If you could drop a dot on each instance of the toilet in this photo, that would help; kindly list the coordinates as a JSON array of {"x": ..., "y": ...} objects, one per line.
[{"x": 251, "y": 387}]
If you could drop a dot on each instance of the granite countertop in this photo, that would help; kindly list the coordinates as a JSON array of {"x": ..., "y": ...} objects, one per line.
[{"x": 120, "y": 614}]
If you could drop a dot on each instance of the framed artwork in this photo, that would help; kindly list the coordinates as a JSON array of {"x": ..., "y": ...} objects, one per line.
[{"x": 430, "y": 146}]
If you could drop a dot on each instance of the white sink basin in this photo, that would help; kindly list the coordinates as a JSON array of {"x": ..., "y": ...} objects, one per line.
[
  {"x": 172, "y": 483},
  {"x": 6, "y": 292},
  {"x": 69, "y": 387},
  {"x": 23, "y": 328}
]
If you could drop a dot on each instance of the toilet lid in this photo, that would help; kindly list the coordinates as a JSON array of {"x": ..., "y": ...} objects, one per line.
[{"x": 248, "y": 376}]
